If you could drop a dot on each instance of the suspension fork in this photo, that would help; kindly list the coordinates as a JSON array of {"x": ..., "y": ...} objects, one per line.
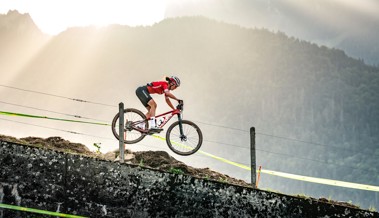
[{"x": 182, "y": 136}]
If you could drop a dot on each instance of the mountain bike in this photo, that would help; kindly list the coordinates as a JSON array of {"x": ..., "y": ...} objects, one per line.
[{"x": 183, "y": 137}]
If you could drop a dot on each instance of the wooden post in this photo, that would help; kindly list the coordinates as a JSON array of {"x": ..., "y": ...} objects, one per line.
[
  {"x": 252, "y": 157},
  {"x": 121, "y": 132}
]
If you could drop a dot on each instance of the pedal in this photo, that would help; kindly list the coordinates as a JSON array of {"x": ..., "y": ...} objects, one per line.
[{"x": 153, "y": 131}]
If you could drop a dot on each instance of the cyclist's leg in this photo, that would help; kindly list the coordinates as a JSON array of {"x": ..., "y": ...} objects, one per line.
[
  {"x": 152, "y": 108},
  {"x": 151, "y": 114},
  {"x": 144, "y": 96},
  {"x": 147, "y": 114}
]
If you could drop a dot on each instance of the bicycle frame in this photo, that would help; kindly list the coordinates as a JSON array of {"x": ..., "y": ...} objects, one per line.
[{"x": 166, "y": 116}]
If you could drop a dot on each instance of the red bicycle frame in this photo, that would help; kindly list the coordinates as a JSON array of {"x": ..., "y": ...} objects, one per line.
[{"x": 166, "y": 117}]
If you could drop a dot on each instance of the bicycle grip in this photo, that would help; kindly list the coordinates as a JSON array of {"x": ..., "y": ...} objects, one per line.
[{"x": 180, "y": 105}]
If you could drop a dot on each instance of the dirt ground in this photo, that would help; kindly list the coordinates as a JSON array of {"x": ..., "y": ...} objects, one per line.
[{"x": 151, "y": 159}]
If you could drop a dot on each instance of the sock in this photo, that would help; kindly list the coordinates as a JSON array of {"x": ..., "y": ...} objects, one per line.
[{"x": 152, "y": 122}]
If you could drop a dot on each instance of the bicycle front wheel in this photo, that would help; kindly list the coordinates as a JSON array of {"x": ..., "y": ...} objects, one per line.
[
  {"x": 185, "y": 144},
  {"x": 132, "y": 117}
]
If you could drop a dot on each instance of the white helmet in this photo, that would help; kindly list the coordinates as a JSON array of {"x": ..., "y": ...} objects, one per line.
[{"x": 176, "y": 80}]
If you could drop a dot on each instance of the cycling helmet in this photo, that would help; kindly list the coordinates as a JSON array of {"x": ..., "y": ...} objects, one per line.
[{"x": 176, "y": 80}]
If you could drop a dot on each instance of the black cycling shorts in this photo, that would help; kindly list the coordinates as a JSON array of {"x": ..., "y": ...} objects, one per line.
[{"x": 143, "y": 95}]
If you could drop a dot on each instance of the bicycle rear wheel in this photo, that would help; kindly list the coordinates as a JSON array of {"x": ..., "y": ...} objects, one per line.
[
  {"x": 132, "y": 117},
  {"x": 185, "y": 144}
]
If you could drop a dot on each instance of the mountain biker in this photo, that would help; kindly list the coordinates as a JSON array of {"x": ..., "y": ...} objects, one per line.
[{"x": 157, "y": 87}]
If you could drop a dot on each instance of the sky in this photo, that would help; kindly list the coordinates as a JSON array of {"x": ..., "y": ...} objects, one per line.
[
  {"x": 326, "y": 22},
  {"x": 54, "y": 16}
]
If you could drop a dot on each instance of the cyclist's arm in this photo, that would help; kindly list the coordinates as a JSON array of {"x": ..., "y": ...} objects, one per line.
[
  {"x": 169, "y": 95},
  {"x": 169, "y": 103}
]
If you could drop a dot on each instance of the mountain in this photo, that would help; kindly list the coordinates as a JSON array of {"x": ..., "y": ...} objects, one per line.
[
  {"x": 20, "y": 38},
  {"x": 315, "y": 108},
  {"x": 350, "y": 26},
  {"x": 16, "y": 24}
]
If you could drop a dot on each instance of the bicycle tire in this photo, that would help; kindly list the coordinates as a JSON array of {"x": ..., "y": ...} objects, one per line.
[
  {"x": 192, "y": 142},
  {"x": 131, "y": 115}
]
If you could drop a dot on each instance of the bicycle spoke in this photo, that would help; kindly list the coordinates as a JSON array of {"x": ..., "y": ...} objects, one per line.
[
  {"x": 131, "y": 135},
  {"x": 187, "y": 144}
]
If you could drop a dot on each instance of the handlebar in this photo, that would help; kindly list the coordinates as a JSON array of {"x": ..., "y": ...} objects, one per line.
[{"x": 180, "y": 105}]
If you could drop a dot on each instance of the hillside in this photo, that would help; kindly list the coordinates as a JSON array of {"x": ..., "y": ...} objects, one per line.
[
  {"x": 238, "y": 77},
  {"x": 76, "y": 184},
  {"x": 159, "y": 160},
  {"x": 151, "y": 159}
]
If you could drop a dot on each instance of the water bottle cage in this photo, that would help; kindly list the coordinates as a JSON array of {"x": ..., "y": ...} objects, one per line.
[{"x": 160, "y": 121}]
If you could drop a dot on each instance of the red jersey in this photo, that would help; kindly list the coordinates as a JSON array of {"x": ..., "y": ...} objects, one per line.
[{"x": 158, "y": 87}]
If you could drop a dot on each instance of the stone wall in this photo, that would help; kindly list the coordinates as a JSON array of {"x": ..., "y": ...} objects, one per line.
[{"x": 73, "y": 184}]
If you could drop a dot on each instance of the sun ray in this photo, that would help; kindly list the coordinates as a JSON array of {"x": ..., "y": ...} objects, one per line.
[{"x": 53, "y": 17}]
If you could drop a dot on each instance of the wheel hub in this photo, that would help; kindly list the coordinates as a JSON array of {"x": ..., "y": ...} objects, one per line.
[
  {"x": 128, "y": 125},
  {"x": 183, "y": 138}
]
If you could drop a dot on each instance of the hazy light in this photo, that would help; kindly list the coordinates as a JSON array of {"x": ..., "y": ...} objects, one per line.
[
  {"x": 53, "y": 17},
  {"x": 364, "y": 7}
]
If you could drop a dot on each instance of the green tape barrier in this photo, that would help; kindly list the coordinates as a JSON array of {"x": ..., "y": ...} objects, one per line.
[
  {"x": 31, "y": 210},
  {"x": 50, "y": 118},
  {"x": 293, "y": 176}
]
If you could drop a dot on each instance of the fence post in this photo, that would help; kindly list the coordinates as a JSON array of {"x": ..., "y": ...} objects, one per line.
[
  {"x": 121, "y": 131},
  {"x": 252, "y": 157}
]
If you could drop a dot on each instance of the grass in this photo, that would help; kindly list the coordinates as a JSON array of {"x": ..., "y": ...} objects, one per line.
[
  {"x": 97, "y": 145},
  {"x": 372, "y": 209},
  {"x": 176, "y": 171}
]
